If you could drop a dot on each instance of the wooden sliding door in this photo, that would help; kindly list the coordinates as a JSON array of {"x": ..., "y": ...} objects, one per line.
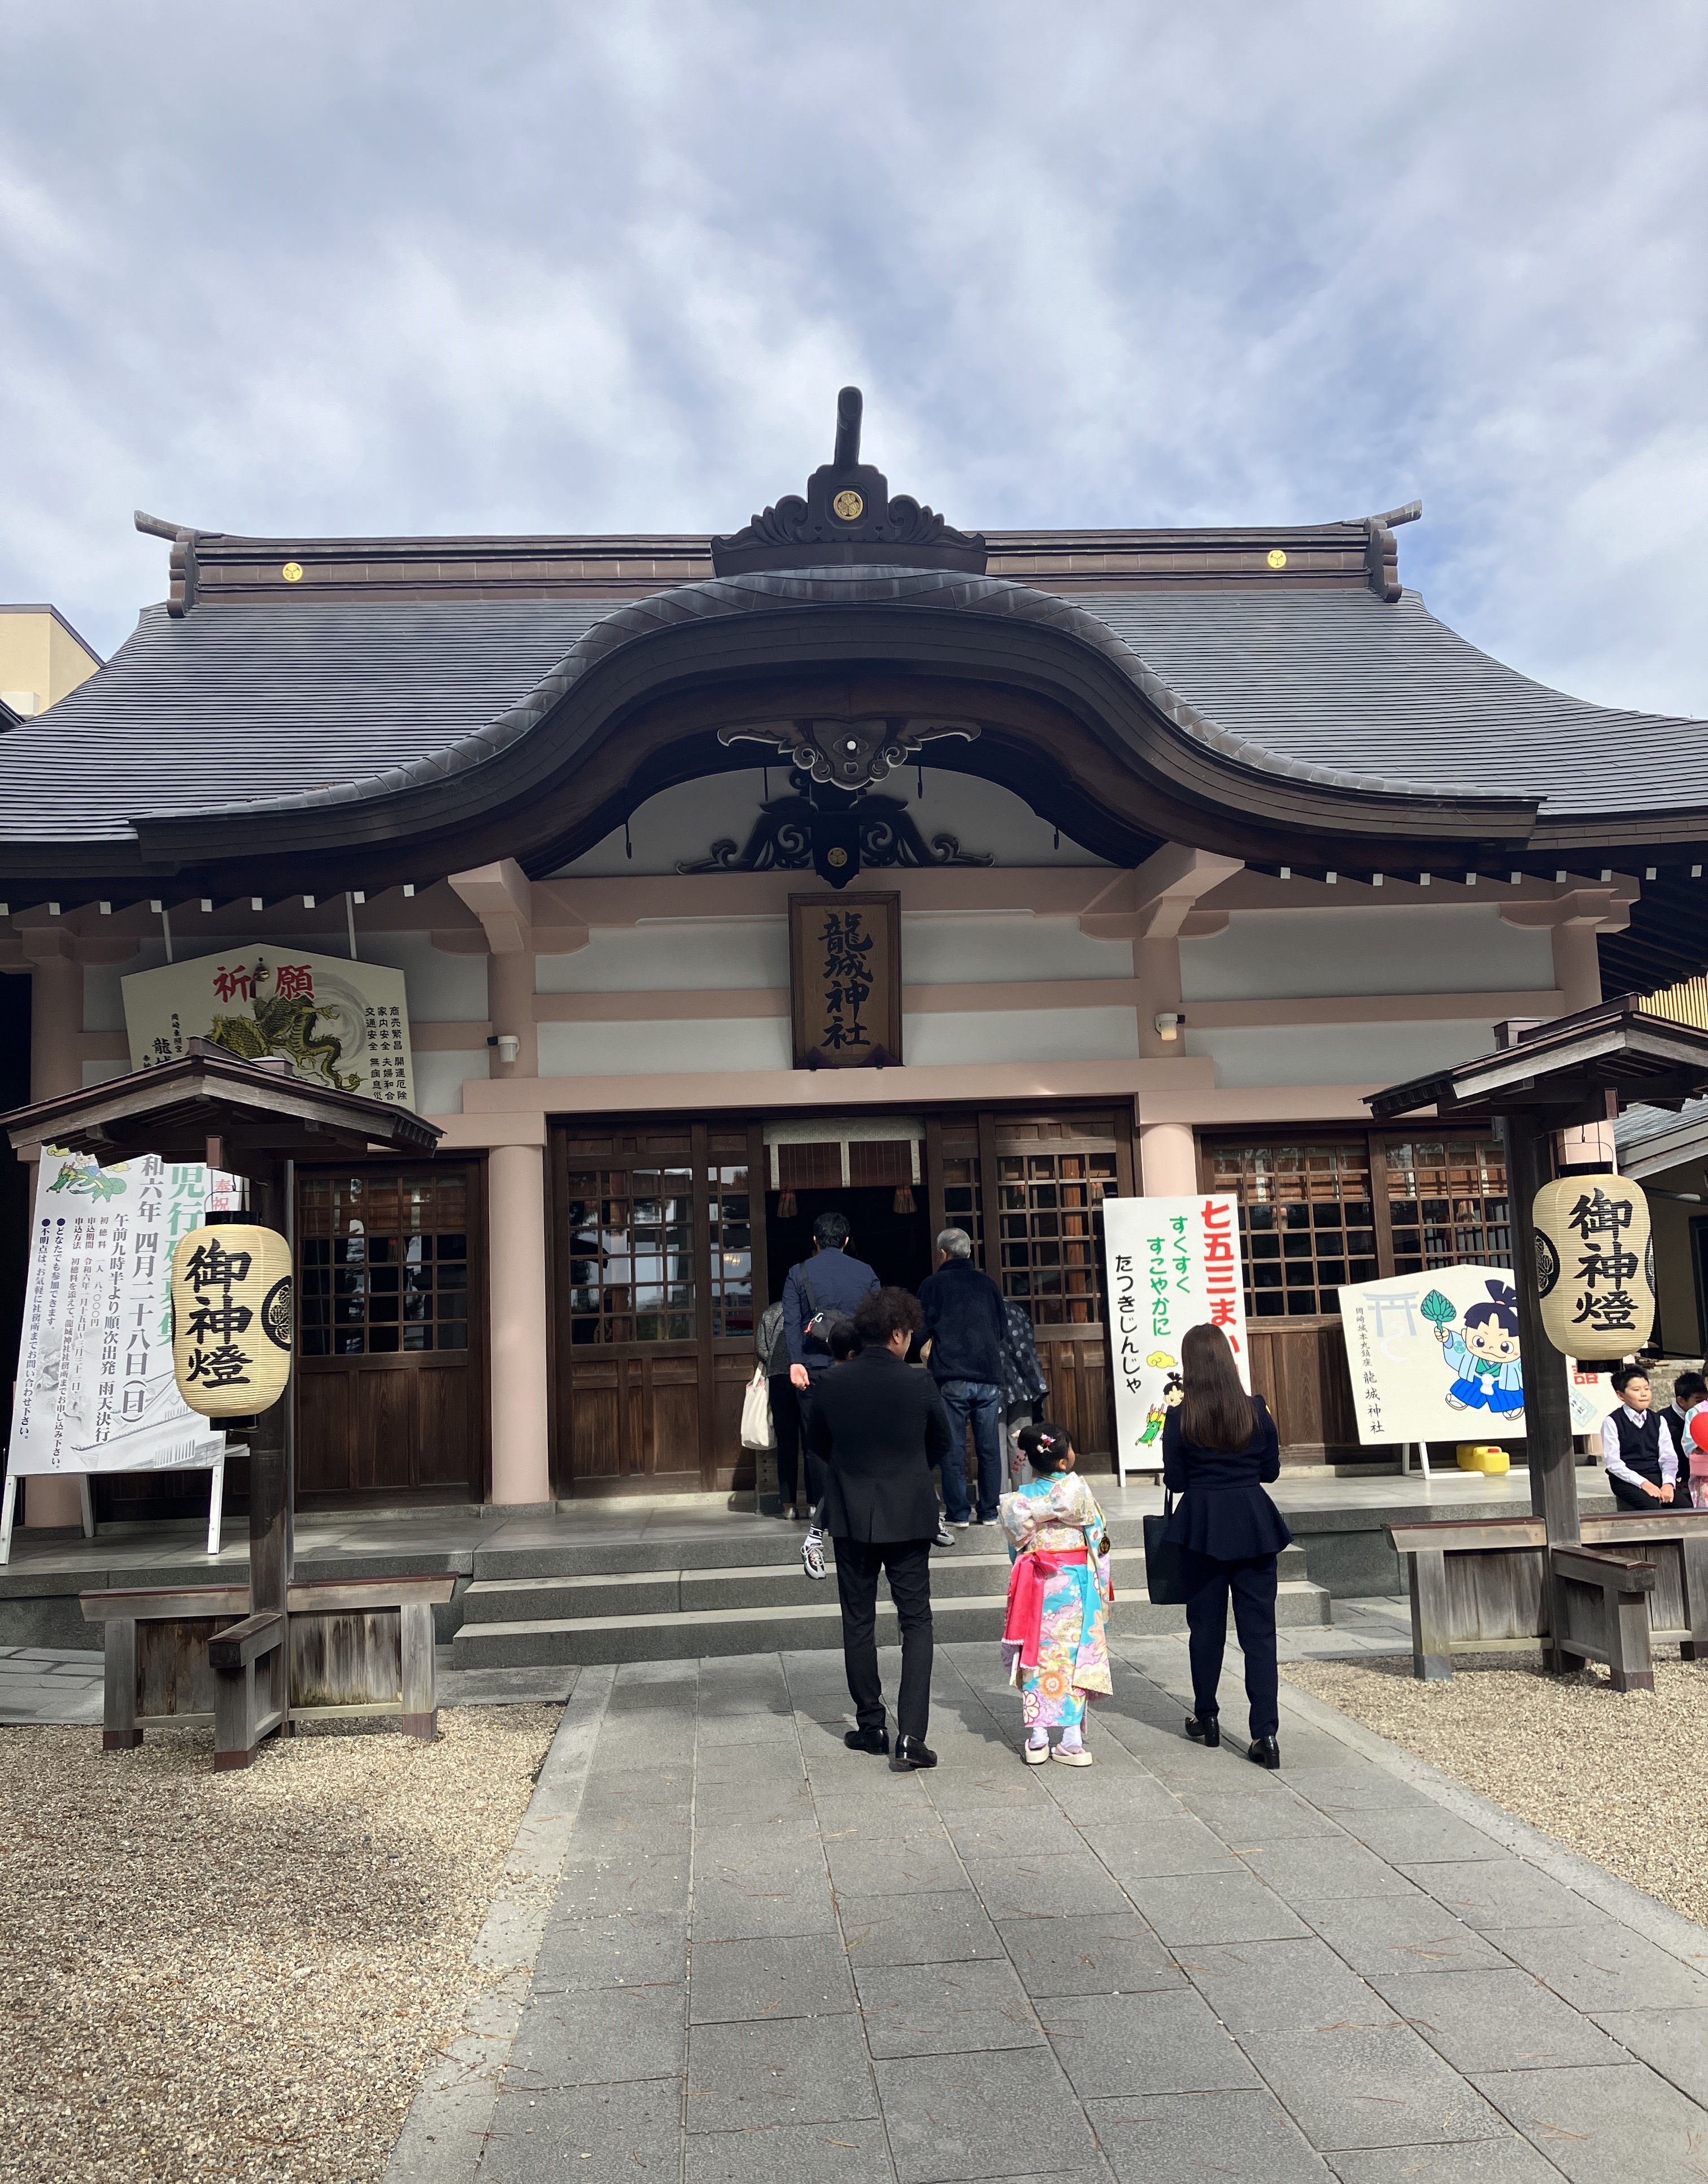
[{"x": 654, "y": 1253}]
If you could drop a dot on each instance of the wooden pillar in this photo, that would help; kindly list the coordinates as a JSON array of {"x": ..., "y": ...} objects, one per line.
[
  {"x": 516, "y": 1196},
  {"x": 269, "y": 1467},
  {"x": 1547, "y": 1391}
]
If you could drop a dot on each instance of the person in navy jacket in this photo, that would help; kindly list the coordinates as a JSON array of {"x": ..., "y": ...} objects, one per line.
[{"x": 1218, "y": 1445}]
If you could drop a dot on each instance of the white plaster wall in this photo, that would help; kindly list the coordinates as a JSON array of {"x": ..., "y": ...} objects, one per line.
[
  {"x": 979, "y": 948},
  {"x": 440, "y": 1077},
  {"x": 442, "y": 989},
  {"x": 1020, "y": 1035},
  {"x": 679, "y": 825},
  {"x": 103, "y": 1072},
  {"x": 1337, "y": 1053},
  {"x": 662, "y": 1049},
  {"x": 1293, "y": 954},
  {"x": 662, "y": 955}
]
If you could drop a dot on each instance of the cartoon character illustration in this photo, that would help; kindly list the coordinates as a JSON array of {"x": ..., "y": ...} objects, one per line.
[
  {"x": 1172, "y": 1391},
  {"x": 1487, "y": 1371},
  {"x": 83, "y": 1178}
]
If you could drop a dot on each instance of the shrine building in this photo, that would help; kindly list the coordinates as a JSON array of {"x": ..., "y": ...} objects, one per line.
[{"x": 1155, "y": 852}]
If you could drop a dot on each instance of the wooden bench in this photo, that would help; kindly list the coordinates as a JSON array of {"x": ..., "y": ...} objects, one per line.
[
  {"x": 352, "y": 1647},
  {"x": 1490, "y": 1585}
]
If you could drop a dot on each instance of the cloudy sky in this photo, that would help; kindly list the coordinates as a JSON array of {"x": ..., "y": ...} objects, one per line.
[{"x": 554, "y": 267}]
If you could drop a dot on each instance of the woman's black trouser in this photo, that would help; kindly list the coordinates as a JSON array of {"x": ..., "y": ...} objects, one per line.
[{"x": 1252, "y": 1585}]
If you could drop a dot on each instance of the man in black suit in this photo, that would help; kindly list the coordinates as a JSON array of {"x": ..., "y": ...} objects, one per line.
[{"x": 878, "y": 1428}]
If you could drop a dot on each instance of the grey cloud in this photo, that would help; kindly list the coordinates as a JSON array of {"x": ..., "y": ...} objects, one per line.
[{"x": 432, "y": 267}]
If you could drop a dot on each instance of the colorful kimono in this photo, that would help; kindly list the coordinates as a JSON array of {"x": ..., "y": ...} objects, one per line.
[{"x": 1055, "y": 1646}]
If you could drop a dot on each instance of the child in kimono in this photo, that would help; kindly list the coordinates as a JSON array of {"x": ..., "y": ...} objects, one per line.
[{"x": 1055, "y": 1643}]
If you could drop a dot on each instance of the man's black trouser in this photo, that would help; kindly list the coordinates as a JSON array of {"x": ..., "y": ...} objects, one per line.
[
  {"x": 907, "y": 1564},
  {"x": 1252, "y": 1584},
  {"x": 1644, "y": 1505}
]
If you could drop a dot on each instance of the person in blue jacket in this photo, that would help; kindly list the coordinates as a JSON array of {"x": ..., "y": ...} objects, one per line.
[
  {"x": 828, "y": 1287},
  {"x": 1218, "y": 1447}
]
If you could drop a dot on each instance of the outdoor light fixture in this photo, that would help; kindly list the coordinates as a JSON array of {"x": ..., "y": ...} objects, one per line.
[
  {"x": 508, "y": 1045},
  {"x": 1168, "y": 1023}
]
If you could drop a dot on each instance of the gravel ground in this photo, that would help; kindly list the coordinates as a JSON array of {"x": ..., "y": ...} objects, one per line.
[
  {"x": 1617, "y": 1776},
  {"x": 206, "y": 1977}
]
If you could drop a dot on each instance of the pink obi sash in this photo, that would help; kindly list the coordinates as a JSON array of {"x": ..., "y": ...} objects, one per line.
[{"x": 1026, "y": 1581}]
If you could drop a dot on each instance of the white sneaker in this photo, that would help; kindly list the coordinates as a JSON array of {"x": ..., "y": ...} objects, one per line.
[
  {"x": 945, "y": 1537},
  {"x": 813, "y": 1553}
]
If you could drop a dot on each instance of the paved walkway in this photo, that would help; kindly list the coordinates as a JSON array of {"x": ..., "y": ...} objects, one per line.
[{"x": 769, "y": 1957}]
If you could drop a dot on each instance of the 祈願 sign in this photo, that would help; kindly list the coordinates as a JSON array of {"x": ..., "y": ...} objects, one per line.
[
  {"x": 1436, "y": 1356},
  {"x": 1172, "y": 1264},
  {"x": 338, "y": 1023}
]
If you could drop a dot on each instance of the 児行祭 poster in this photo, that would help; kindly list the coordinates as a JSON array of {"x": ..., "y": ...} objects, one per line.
[
  {"x": 1172, "y": 1264},
  {"x": 1436, "y": 1356},
  {"x": 341, "y": 1023},
  {"x": 95, "y": 1386}
]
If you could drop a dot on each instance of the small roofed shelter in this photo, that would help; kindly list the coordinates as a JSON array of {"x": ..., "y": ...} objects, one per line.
[
  {"x": 1568, "y": 1073},
  {"x": 253, "y": 1119}
]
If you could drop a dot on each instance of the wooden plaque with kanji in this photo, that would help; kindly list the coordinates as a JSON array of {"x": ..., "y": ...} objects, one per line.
[{"x": 845, "y": 980}]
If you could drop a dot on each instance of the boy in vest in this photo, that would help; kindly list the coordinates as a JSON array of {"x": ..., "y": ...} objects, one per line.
[{"x": 1637, "y": 1449}]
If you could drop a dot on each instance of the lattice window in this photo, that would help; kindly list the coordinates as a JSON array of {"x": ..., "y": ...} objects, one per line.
[
  {"x": 1050, "y": 1213},
  {"x": 732, "y": 1250},
  {"x": 631, "y": 1254},
  {"x": 1446, "y": 1203},
  {"x": 385, "y": 1263},
  {"x": 1306, "y": 1221},
  {"x": 962, "y": 1201}
]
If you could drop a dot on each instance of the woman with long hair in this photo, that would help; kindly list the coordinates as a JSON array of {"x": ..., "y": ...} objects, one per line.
[{"x": 1218, "y": 1447}]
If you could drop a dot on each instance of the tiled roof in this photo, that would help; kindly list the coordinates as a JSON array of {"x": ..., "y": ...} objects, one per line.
[{"x": 307, "y": 701}]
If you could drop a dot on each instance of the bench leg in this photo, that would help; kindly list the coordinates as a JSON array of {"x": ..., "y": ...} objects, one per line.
[
  {"x": 234, "y": 1715},
  {"x": 415, "y": 1644},
  {"x": 1630, "y": 1663},
  {"x": 1431, "y": 1656},
  {"x": 1693, "y": 1553},
  {"x": 118, "y": 1730}
]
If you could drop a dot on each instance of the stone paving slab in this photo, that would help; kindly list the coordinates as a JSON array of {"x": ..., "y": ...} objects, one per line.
[{"x": 1168, "y": 1967}]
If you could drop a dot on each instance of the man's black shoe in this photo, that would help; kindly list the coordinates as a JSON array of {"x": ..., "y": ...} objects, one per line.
[
  {"x": 875, "y": 1741},
  {"x": 910, "y": 1752},
  {"x": 1203, "y": 1728},
  {"x": 1265, "y": 1751}
]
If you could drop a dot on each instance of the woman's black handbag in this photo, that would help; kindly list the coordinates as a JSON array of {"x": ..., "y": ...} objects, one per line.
[{"x": 1164, "y": 1566}]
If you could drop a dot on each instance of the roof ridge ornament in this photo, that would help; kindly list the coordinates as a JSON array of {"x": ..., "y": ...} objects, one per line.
[{"x": 848, "y": 519}]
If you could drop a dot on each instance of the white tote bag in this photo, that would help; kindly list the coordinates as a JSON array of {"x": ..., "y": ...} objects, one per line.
[{"x": 756, "y": 1429}]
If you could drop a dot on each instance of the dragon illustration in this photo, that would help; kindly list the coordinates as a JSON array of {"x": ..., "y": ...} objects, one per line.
[{"x": 286, "y": 1028}]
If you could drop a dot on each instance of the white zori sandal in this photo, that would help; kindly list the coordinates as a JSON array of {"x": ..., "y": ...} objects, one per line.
[
  {"x": 1034, "y": 1755},
  {"x": 1072, "y": 1755}
]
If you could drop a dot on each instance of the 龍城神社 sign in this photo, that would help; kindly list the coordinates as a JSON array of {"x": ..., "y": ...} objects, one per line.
[
  {"x": 95, "y": 1390},
  {"x": 1436, "y": 1356},
  {"x": 1172, "y": 1263},
  {"x": 339, "y": 1023}
]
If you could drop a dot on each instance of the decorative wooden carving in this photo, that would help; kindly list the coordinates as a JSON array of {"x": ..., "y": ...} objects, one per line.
[
  {"x": 848, "y": 753},
  {"x": 845, "y": 980},
  {"x": 785, "y": 838},
  {"x": 847, "y": 517}
]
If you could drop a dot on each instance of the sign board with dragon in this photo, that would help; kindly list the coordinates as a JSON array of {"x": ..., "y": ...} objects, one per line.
[{"x": 338, "y": 1023}]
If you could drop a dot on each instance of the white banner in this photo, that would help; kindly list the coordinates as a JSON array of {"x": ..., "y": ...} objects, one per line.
[
  {"x": 1172, "y": 1263},
  {"x": 338, "y": 1023},
  {"x": 1436, "y": 1356},
  {"x": 95, "y": 1388}
]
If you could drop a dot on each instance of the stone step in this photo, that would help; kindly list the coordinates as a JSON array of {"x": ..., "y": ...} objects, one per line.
[
  {"x": 955, "y": 1573},
  {"x": 809, "y": 1620},
  {"x": 777, "y": 1543}
]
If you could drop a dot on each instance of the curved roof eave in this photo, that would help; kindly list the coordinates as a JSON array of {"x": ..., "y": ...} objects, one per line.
[{"x": 719, "y": 596}]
